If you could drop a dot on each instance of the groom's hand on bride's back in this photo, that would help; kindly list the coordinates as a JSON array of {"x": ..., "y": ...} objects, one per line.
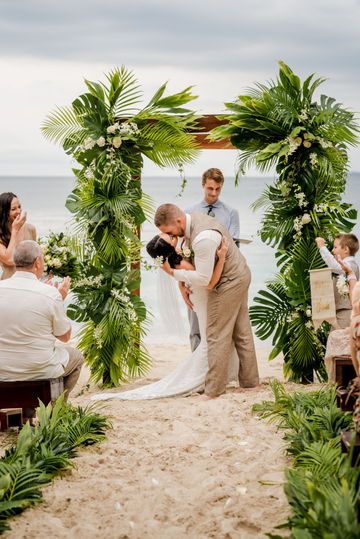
[{"x": 185, "y": 292}]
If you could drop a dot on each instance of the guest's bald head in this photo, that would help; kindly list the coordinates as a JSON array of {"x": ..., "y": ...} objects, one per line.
[{"x": 25, "y": 253}]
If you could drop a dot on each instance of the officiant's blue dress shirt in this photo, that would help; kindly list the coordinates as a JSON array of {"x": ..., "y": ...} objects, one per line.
[{"x": 226, "y": 215}]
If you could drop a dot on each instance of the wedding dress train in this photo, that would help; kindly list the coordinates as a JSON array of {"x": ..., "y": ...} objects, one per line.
[{"x": 189, "y": 375}]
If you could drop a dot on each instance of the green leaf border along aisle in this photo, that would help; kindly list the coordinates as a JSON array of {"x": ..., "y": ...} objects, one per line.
[
  {"x": 281, "y": 125},
  {"x": 108, "y": 134}
]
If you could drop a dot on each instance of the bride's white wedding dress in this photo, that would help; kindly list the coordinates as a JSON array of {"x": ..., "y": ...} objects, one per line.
[{"x": 189, "y": 375}]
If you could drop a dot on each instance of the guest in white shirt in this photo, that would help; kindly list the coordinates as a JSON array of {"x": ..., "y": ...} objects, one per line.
[{"x": 32, "y": 321}]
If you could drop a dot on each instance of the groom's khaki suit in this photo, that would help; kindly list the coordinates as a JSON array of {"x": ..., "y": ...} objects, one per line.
[{"x": 227, "y": 315}]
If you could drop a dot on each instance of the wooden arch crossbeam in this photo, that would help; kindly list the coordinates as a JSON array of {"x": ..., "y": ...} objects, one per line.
[{"x": 203, "y": 127}]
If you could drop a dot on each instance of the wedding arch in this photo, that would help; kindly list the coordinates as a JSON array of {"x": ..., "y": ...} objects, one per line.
[{"x": 278, "y": 125}]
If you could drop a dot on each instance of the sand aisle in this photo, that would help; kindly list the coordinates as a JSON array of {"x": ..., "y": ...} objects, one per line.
[{"x": 170, "y": 468}]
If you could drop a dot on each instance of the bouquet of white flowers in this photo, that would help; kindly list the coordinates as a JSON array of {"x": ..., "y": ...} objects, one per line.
[{"x": 58, "y": 257}]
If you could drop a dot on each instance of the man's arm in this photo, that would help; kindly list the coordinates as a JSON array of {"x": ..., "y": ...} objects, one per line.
[
  {"x": 65, "y": 337},
  {"x": 204, "y": 247}
]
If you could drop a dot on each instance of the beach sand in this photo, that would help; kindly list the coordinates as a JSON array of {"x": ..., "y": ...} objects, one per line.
[{"x": 170, "y": 468}]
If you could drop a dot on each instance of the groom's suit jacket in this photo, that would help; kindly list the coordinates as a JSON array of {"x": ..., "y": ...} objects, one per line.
[{"x": 235, "y": 263}]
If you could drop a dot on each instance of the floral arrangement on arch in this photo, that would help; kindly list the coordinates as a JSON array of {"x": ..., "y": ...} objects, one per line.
[
  {"x": 282, "y": 126},
  {"x": 108, "y": 133}
]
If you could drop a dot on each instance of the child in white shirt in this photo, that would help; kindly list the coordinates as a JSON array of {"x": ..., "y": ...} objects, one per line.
[{"x": 345, "y": 248}]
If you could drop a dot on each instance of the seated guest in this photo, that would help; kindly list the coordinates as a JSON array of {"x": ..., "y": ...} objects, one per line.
[{"x": 32, "y": 319}]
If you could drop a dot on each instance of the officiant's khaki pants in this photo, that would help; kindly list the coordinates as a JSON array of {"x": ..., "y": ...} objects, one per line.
[{"x": 227, "y": 321}]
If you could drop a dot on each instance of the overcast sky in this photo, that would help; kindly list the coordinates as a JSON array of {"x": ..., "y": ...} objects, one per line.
[{"x": 220, "y": 47}]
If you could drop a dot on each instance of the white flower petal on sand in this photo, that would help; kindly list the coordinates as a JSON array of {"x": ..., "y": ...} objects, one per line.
[{"x": 241, "y": 490}]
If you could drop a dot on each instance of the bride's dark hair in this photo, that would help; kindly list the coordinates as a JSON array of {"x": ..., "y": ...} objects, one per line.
[
  {"x": 160, "y": 247},
  {"x": 5, "y": 206}
]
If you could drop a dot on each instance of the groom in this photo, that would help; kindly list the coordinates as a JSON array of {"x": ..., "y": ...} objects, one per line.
[{"x": 227, "y": 309}]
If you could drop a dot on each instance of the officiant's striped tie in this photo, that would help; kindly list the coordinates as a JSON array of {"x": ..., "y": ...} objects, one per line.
[{"x": 210, "y": 210}]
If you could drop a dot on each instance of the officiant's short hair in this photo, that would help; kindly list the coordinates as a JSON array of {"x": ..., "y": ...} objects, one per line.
[
  {"x": 213, "y": 174},
  {"x": 167, "y": 213}
]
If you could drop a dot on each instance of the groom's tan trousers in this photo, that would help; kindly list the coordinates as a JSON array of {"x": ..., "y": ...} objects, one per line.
[{"x": 227, "y": 321}]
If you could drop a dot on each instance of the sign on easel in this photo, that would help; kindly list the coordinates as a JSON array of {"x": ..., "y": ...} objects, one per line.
[{"x": 322, "y": 297}]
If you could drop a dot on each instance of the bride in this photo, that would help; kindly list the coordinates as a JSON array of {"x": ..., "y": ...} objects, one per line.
[{"x": 189, "y": 375}]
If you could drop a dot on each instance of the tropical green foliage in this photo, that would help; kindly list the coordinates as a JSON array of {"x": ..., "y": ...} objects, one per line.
[
  {"x": 322, "y": 488},
  {"x": 41, "y": 451},
  {"x": 108, "y": 135},
  {"x": 282, "y": 126}
]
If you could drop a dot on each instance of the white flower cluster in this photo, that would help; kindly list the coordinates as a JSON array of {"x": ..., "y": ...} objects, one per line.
[
  {"x": 301, "y": 199},
  {"x": 97, "y": 337},
  {"x": 324, "y": 143},
  {"x": 321, "y": 207},
  {"x": 299, "y": 222},
  {"x": 303, "y": 115},
  {"x": 292, "y": 316},
  {"x": 89, "y": 174},
  {"x": 284, "y": 188},
  {"x": 313, "y": 159},
  {"x": 92, "y": 280},
  {"x": 131, "y": 313},
  {"x": 54, "y": 257},
  {"x": 120, "y": 296},
  {"x": 158, "y": 261},
  {"x": 186, "y": 252},
  {"x": 342, "y": 286},
  {"x": 123, "y": 130},
  {"x": 294, "y": 143}
]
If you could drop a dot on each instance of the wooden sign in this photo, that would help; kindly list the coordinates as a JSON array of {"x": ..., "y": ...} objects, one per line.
[{"x": 322, "y": 297}]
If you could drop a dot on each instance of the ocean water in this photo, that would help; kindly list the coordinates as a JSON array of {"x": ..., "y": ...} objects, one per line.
[{"x": 44, "y": 200}]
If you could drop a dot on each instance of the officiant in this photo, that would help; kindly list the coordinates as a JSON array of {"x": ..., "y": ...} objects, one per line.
[{"x": 212, "y": 184}]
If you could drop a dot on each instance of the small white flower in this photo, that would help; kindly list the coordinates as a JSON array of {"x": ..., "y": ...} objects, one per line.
[
  {"x": 305, "y": 219},
  {"x": 301, "y": 199},
  {"x": 186, "y": 252},
  {"x": 324, "y": 143},
  {"x": 309, "y": 324},
  {"x": 294, "y": 143},
  {"x": 158, "y": 261},
  {"x": 56, "y": 262},
  {"x": 88, "y": 173},
  {"x": 97, "y": 337},
  {"x": 313, "y": 159},
  {"x": 116, "y": 142},
  {"x": 308, "y": 312},
  {"x": 303, "y": 115},
  {"x": 298, "y": 224},
  {"x": 89, "y": 143},
  {"x": 111, "y": 130},
  {"x": 101, "y": 142}
]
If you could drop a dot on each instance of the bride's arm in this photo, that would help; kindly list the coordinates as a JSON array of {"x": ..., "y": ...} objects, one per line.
[{"x": 221, "y": 254}]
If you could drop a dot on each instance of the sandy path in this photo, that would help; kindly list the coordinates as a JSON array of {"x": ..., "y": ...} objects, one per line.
[{"x": 172, "y": 468}]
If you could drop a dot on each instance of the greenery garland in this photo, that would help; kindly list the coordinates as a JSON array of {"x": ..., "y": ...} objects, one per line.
[
  {"x": 108, "y": 135},
  {"x": 41, "y": 451},
  {"x": 322, "y": 487},
  {"x": 281, "y": 125}
]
